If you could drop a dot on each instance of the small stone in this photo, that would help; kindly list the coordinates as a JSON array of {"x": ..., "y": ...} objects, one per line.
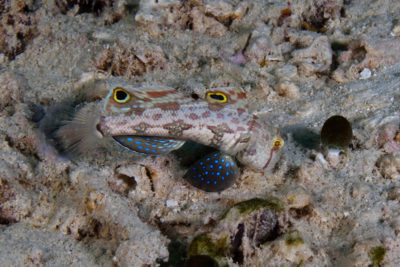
[
  {"x": 171, "y": 203},
  {"x": 365, "y": 74},
  {"x": 394, "y": 194},
  {"x": 205, "y": 24},
  {"x": 316, "y": 58},
  {"x": 261, "y": 48},
  {"x": 241, "y": 10},
  {"x": 389, "y": 166},
  {"x": 298, "y": 199},
  {"x": 220, "y": 10},
  {"x": 396, "y": 29},
  {"x": 288, "y": 89},
  {"x": 388, "y": 136},
  {"x": 333, "y": 157},
  {"x": 286, "y": 72},
  {"x": 12, "y": 88}
]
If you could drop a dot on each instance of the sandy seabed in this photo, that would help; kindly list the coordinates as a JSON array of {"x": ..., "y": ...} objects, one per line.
[{"x": 299, "y": 63}]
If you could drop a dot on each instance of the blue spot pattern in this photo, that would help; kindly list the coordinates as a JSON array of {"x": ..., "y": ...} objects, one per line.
[
  {"x": 151, "y": 145},
  {"x": 212, "y": 173}
]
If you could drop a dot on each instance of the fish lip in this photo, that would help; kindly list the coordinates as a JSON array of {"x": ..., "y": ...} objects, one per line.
[{"x": 269, "y": 159}]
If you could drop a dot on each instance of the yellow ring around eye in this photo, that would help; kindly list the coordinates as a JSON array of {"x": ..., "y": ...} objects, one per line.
[
  {"x": 216, "y": 97},
  {"x": 121, "y": 96},
  {"x": 277, "y": 144}
]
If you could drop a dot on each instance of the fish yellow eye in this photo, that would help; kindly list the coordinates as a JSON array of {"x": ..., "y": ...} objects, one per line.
[
  {"x": 277, "y": 144},
  {"x": 216, "y": 97},
  {"x": 121, "y": 96}
]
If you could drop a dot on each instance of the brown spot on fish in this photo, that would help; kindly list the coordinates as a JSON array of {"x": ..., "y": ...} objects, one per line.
[
  {"x": 168, "y": 106},
  {"x": 241, "y": 95},
  {"x": 193, "y": 116},
  {"x": 253, "y": 125},
  {"x": 176, "y": 128},
  {"x": 241, "y": 111},
  {"x": 138, "y": 111},
  {"x": 255, "y": 117},
  {"x": 235, "y": 121},
  {"x": 140, "y": 128},
  {"x": 206, "y": 114},
  {"x": 155, "y": 94},
  {"x": 220, "y": 115},
  {"x": 219, "y": 132},
  {"x": 146, "y": 99},
  {"x": 240, "y": 128},
  {"x": 157, "y": 116}
]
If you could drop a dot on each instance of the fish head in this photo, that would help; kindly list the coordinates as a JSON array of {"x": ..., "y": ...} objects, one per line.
[{"x": 263, "y": 150}]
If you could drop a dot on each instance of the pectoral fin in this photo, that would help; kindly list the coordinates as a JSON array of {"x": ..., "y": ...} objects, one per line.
[
  {"x": 149, "y": 144},
  {"x": 213, "y": 173}
]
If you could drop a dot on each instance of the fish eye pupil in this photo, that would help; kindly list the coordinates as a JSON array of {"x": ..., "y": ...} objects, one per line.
[
  {"x": 121, "y": 95},
  {"x": 217, "y": 97}
]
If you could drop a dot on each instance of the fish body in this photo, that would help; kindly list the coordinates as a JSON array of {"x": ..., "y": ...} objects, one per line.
[{"x": 220, "y": 120}]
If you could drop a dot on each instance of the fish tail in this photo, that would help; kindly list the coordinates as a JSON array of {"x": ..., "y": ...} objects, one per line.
[
  {"x": 71, "y": 128},
  {"x": 79, "y": 135}
]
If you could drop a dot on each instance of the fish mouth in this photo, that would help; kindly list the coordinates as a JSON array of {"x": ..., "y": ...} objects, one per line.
[
  {"x": 269, "y": 159},
  {"x": 273, "y": 153}
]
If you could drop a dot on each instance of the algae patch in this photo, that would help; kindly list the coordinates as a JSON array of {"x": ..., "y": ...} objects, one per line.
[
  {"x": 251, "y": 205},
  {"x": 377, "y": 254},
  {"x": 204, "y": 245},
  {"x": 293, "y": 238}
]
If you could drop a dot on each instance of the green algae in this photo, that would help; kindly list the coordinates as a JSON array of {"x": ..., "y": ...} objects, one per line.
[
  {"x": 248, "y": 206},
  {"x": 376, "y": 255},
  {"x": 293, "y": 238},
  {"x": 203, "y": 244}
]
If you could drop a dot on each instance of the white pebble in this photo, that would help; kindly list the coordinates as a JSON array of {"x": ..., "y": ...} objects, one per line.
[
  {"x": 365, "y": 74},
  {"x": 171, "y": 203}
]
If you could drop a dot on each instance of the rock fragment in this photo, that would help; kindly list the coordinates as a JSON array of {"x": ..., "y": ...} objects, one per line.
[{"x": 317, "y": 58}]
